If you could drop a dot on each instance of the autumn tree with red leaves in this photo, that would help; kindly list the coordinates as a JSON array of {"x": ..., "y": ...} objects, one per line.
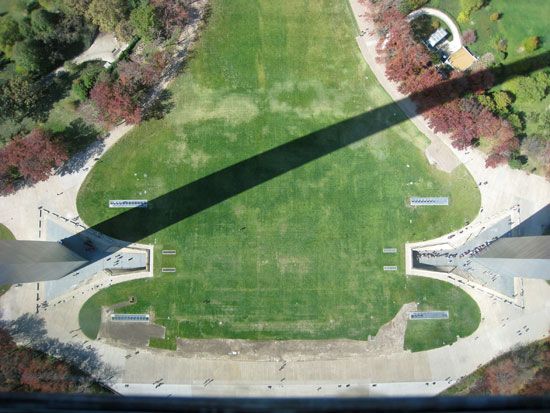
[
  {"x": 172, "y": 14},
  {"x": 114, "y": 103},
  {"x": 31, "y": 158},
  {"x": 27, "y": 370}
]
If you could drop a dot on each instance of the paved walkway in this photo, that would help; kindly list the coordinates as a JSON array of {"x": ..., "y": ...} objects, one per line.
[
  {"x": 397, "y": 373},
  {"x": 105, "y": 47}
]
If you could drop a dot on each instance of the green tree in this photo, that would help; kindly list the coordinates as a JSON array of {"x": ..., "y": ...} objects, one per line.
[
  {"x": 9, "y": 34},
  {"x": 502, "y": 100},
  {"x": 144, "y": 22},
  {"x": 86, "y": 81},
  {"x": 487, "y": 101},
  {"x": 30, "y": 56},
  {"x": 107, "y": 14},
  {"x": 18, "y": 97},
  {"x": 529, "y": 88},
  {"x": 515, "y": 121},
  {"x": 79, "y": 7},
  {"x": 531, "y": 43},
  {"x": 43, "y": 23}
]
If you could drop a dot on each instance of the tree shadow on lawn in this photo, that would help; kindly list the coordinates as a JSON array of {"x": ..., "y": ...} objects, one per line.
[
  {"x": 161, "y": 105},
  {"x": 168, "y": 209}
]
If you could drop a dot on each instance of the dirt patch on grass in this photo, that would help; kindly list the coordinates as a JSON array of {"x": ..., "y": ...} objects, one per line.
[
  {"x": 390, "y": 339},
  {"x": 132, "y": 334}
]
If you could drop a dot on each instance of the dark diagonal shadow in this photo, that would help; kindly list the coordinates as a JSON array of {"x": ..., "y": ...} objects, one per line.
[{"x": 168, "y": 209}]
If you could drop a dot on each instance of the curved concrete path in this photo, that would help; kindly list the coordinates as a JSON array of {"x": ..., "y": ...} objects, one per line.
[
  {"x": 454, "y": 44},
  {"x": 396, "y": 373}
]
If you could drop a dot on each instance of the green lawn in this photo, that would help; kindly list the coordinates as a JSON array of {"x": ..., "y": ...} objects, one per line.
[
  {"x": 520, "y": 19},
  {"x": 300, "y": 255},
  {"x": 5, "y": 233}
]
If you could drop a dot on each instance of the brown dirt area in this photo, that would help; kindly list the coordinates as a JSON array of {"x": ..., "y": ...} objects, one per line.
[{"x": 390, "y": 339}]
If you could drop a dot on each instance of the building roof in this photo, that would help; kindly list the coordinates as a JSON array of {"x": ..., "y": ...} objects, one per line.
[
  {"x": 462, "y": 59},
  {"x": 437, "y": 36}
]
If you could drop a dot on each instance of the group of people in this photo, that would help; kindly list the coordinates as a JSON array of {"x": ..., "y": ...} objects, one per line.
[{"x": 477, "y": 249}]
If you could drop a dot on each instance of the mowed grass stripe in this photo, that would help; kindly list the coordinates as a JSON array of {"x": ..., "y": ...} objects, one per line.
[{"x": 299, "y": 256}]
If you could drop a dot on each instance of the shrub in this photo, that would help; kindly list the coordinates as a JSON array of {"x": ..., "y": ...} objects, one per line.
[
  {"x": 85, "y": 82},
  {"x": 469, "y": 37},
  {"x": 495, "y": 16},
  {"x": 463, "y": 17},
  {"x": 408, "y": 6},
  {"x": 469, "y": 6},
  {"x": 531, "y": 44},
  {"x": 502, "y": 45}
]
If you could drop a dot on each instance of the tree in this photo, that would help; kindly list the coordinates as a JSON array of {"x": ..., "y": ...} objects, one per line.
[
  {"x": 530, "y": 44},
  {"x": 107, "y": 14},
  {"x": 85, "y": 82},
  {"x": 79, "y": 7},
  {"x": 43, "y": 23},
  {"x": 9, "y": 34},
  {"x": 30, "y": 56},
  {"x": 18, "y": 97},
  {"x": 144, "y": 21},
  {"x": 502, "y": 100},
  {"x": 495, "y": 16},
  {"x": 171, "y": 13},
  {"x": 45, "y": 376},
  {"x": 538, "y": 149},
  {"x": 529, "y": 88},
  {"x": 33, "y": 156},
  {"x": 114, "y": 103}
]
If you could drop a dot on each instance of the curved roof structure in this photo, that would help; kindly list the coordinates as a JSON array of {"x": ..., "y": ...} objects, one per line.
[{"x": 456, "y": 43}]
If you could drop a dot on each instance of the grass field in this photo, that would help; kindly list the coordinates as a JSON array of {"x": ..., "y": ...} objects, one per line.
[
  {"x": 5, "y": 233},
  {"x": 299, "y": 256},
  {"x": 519, "y": 20}
]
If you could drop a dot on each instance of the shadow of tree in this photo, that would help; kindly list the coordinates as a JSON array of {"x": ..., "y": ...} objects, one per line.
[
  {"x": 82, "y": 143},
  {"x": 29, "y": 330},
  {"x": 160, "y": 106}
]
